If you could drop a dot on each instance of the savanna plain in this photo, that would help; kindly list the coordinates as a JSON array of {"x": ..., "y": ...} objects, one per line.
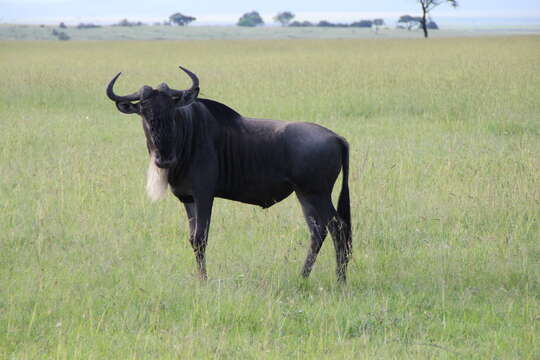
[{"x": 445, "y": 191}]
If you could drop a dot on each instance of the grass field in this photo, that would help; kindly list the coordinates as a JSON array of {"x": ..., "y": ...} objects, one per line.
[{"x": 445, "y": 186}]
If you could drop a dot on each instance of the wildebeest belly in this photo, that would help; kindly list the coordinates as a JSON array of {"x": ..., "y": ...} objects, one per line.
[{"x": 264, "y": 194}]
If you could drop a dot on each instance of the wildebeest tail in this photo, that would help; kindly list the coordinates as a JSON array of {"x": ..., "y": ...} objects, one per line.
[{"x": 344, "y": 202}]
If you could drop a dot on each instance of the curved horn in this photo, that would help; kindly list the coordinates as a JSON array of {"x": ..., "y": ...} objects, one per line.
[
  {"x": 193, "y": 77},
  {"x": 194, "y": 86},
  {"x": 114, "y": 97}
]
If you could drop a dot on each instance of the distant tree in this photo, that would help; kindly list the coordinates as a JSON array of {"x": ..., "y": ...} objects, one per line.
[
  {"x": 377, "y": 23},
  {"x": 301, "y": 24},
  {"x": 62, "y": 25},
  {"x": 60, "y": 35},
  {"x": 127, "y": 23},
  {"x": 87, "y": 26},
  {"x": 250, "y": 19},
  {"x": 123, "y": 22},
  {"x": 432, "y": 25},
  {"x": 427, "y": 6},
  {"x": 324, "y": 23},
  {"x": 284, "y": 18},
  {"x": 181, "y": 19},
  {"x": 408, "y": 22},
  {"x": 362, "y": 23}
]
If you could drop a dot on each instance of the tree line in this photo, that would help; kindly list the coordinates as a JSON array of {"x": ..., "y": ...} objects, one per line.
[
  {"x": 285, "y": 18},
  {"x": 409, "y": 22}
]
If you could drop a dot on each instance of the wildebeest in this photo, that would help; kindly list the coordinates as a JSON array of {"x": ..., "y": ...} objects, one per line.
[{"x": 203, "y": 149}]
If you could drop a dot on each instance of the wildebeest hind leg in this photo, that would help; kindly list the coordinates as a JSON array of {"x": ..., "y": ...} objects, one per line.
[
  {"x": 318, "y": 211},
  {"x": 342, "y": 247}
]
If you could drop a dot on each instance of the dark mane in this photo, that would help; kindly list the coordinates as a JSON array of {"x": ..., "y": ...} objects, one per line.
[
  {"x": 218, "y": 110},
  {"x": 193, "y": 123},
  {"x": 206, "y": 108}
]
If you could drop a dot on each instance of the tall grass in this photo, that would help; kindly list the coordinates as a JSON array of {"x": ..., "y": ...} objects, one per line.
[{"x": 445, "y": 187}]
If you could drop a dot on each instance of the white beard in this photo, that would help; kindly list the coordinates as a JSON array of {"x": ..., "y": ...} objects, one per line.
[{"x": 156, "y": 180}]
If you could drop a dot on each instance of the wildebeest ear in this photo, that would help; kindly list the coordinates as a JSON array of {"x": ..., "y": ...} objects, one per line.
[
  {"x": 187, "y": 98},
  {"x": 128, "y": 107}
]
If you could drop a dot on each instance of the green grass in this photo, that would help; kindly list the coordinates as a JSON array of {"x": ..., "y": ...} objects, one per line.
[{"x": 445, "y": 187}]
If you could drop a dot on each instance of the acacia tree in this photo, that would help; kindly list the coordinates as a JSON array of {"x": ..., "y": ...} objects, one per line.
[
  {"x": 181, "y": 19},
  {"x": 409, "y": 22},
  {"x": 284, "y": 18},
  {"x": 427, "y": 6},
  {"x": 250, "y": 19}
]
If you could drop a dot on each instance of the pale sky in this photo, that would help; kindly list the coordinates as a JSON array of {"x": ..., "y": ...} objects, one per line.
[{"x": 227, "y": 12}]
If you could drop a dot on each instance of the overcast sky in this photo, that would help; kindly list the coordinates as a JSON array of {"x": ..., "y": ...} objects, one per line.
[{"x": 216, "y": 12}]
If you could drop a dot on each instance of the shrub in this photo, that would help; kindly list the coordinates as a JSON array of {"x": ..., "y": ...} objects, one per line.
[
  {"x": 301, "y": 24},
  {"x": 362, "y": 23},
  {"x": 60, "y": 35},
  {"x": 127, "y": 23},
  {"x": 87, "y": 26}
]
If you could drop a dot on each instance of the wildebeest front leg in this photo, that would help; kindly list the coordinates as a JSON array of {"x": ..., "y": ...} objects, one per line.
[
  {"x": 190, "y": 212},
  {"x": 199, "y": 239}
]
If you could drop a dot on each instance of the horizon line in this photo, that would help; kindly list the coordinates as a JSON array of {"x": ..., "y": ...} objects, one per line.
[{"x": 231, "y": 18}]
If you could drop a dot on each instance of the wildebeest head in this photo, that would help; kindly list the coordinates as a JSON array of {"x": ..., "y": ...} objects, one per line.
[{"x": 157, "y": 109}]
